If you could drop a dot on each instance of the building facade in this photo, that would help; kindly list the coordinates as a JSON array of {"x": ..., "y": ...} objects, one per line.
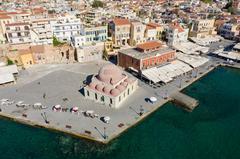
[
  {"x": 176, "y": 34},
  {"x": 137, "y": 33},
  {"x": 202, "y": 28},
  {"x": 64, "y": 28},
  {"x": 145, "y": 55},
  {"x": 120, "y": 31},
  {"x": 18, "y": 33}
]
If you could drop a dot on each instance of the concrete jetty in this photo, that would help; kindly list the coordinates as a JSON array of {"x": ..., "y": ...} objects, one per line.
[{"x": 187, "y": 102}]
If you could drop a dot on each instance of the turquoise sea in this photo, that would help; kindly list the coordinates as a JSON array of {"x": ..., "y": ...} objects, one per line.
[{"x": 211, "y": 131}]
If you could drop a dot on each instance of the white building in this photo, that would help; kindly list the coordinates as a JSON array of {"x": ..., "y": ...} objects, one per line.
[
  {"x": 64, "y": 28},
  {"x": 90, "y": 35},
  {"x": 177, "y": 34},
  {"x": 110, "y": 86},
  {"x": 18, "y": 33},
  {"x": 41, "y": 32}
]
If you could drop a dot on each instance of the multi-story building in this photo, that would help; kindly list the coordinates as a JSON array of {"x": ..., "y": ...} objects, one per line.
[
  {"x": 120, "y": 31},
  {"x": 4, "y": 19},
  {"x": 18, "y": 33},
  {"x": 110, "y": 86},
  {"x": 176, "y": 34},
  {"x": 159, "y": 29},
  {"x": 150, "y": 33},
  {"x": 229, "y": 30},
  {"x": 145, "y": 55},
  {"x": 90, "y": 35},
  {"x": 137, "y": 33},
  {"x": 41, "y": 32},
  {"x": 202, "y": 27},
  {"x": 64, "y": 28}
]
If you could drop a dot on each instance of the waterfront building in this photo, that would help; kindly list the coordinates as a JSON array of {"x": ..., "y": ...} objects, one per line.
[
  {"x": 229, "y": 30},
  {"x": 159, "y": 30},
  {"x": 120, "y": 31},
  {"x": 145, "y": 55},
  {"x": 202, "y": 28},
  {"x": 110, "y": 86},
  {"x": 137, "y": 33},
  {"x": 150, "y": 33},
  {"x": 176, "y": 34}
]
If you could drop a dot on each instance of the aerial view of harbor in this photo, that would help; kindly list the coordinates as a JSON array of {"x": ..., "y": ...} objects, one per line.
[{"x": 119, "y": 79}]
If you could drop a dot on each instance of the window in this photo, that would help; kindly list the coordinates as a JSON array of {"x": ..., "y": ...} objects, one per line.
[
  {"x": 128, "y": 91},
  {"x": 111, "y": 101},
  {"x": 96, "y": 96},
  {"x": 102, "y": 98},
  {"x": 87, "y": 93},
  {"x": 119, "y": 98}
]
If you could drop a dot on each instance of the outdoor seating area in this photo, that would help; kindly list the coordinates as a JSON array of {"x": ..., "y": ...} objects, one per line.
[
  {"x": 166, "y": 73},
  {"x": 193, "y": 60}
]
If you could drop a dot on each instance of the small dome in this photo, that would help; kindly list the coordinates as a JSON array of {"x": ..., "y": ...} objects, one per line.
[
  {"x": 115, "y": 92},
  {"x": 120, "y": 88},
  {"x": 92, "y": 85},
  {"x": 99, "y": 87},
  {"x": 110, "y": 74},
  {"x": 129, "y": 80},
  {"x": 124, "y": 84},
  {"x": 107, "y": 89}
]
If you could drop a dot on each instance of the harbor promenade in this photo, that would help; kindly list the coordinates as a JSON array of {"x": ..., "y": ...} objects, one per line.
[{"x": 66, "y": 81}]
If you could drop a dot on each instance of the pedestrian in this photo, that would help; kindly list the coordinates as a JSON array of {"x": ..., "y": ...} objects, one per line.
[{"x": 44, "y": 95}]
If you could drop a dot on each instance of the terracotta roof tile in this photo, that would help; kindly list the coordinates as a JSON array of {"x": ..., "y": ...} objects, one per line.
[
  {"x": 121, "y": 21},
  {"x": 149, "y": 45}
]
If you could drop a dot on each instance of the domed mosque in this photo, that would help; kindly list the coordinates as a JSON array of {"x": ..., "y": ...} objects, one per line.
[{"x": 110, "y": 86}]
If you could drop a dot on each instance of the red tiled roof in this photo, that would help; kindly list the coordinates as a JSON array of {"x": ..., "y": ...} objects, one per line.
[
  {"x": 177, "y": 26},
  {"x": 149, "y": 45},
  {"x": 16, "y": 24},
  {"x": 154, "y": 25},
  {"x": 5, "y": 17},
  {"x": 121, "y": 21}
]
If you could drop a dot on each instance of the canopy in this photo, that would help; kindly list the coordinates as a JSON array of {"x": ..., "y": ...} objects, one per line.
[
  {"x": 57, "y": 106},
  {"x": 106, "y": 118},
  {"x": 75, "y": 108},
  {"x": 90, "y": 112},
  {"x": 38, "y": 104},
  {"x": 153, "y": 99}
]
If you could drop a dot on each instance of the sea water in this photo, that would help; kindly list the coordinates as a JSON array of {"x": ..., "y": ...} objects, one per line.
[{"x": 212, "y": 130}]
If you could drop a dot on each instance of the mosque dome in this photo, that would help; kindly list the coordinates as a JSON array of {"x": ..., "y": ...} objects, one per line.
[
  {"x": 92, "y": 85},
  {"x": 110, "y": 74},
  {"x": 120, "y": 88},
  {"x": 99, "y": 87},
  {"x": 107, "y": 89},
  {"x": 124, "y": 84},
  {"x": 115, "y": 92},
  {"x": 129, "y": 80}
]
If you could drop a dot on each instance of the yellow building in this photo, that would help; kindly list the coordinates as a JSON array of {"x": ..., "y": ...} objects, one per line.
[
  {"x": 202, "y": 28},
  {"x": 26, "y": 58}
]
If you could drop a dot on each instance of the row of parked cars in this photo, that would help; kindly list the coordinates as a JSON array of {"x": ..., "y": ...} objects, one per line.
[{"x": 6, "y": 102}]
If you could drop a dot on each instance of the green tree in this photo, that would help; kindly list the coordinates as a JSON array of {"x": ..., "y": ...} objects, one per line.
[
  {"x": 97, "y": 3},
  {"x": 56, "y": 42},
  {"x": 10, "y": 62}
]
